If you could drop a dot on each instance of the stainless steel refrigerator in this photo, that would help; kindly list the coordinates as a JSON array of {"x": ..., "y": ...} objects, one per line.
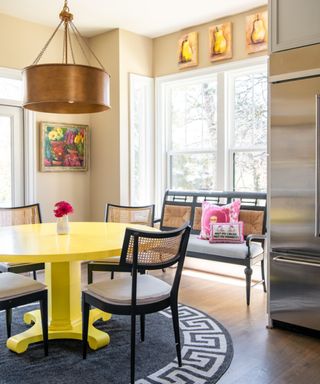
[{"x": 294, "y": 189}]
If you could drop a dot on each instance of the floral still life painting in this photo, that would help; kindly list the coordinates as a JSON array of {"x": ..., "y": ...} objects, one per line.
[
  {"x": 257, "y": 32},
  {"x": 188, "y": 50},
  {"x": 64, "y": 147}
]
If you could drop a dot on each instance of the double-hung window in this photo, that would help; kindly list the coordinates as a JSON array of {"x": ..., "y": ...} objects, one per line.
[
  {"x": 212, "y": 128},
  {"x": 247, "y": 104},
  {"x": 191, "y": 156}
]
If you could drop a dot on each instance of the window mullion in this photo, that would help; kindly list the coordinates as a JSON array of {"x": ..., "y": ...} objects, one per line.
[{"x": 221, "y": 134}]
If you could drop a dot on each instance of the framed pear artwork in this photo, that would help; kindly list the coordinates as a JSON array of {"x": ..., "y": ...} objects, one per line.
[
  {"x": 257, "y": 32},
  {"x": 188, "y": 50},
  {"x": 220, "y": 42}
]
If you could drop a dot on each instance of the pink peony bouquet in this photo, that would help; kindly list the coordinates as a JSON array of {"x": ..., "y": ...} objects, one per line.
[{"x": 62, "y": 208}]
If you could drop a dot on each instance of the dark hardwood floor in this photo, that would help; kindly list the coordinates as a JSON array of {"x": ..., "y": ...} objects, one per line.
[{"x": 261, "y": 355}]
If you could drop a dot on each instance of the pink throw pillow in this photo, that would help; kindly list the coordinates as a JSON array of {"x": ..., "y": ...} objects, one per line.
[
  {"x": 226, "y": 232},
  {"x": 218, "y": 214}
]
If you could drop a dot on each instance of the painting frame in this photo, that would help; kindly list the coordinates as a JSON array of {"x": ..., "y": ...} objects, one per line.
[
  {"x": 64, "y": 147},
  {"x": 258, "y": 21},
  {"x": 224, "y": 52},
  {"x": 188, "y": 43}
]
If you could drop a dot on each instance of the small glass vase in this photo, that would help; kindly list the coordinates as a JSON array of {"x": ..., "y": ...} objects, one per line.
[{"x": 63, "y": 227}]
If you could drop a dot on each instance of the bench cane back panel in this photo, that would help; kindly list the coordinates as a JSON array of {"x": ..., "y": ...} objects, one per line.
[
  {"x": 174, "y": 216},
  {"x": 252, "y": 221},
  {"x": 197, "y": 219}
]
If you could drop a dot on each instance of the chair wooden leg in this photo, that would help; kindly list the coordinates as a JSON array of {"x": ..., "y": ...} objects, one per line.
[
  {"x": 44, "y": 322},
  {"x": 142, "y": 326},
  {"x": 248, "y": 272},
  {"x": 133, "y": 347},
  {"x": 262, "y": 275},
  {"x": 85, "y": 326},
  {"x": 112, "y": 275},
  {"x": 34, "y": 275},
  {"x": 176, "y": 328},
  {"x": 9, "y": 321},
  {"x": 90, "y": 274}
]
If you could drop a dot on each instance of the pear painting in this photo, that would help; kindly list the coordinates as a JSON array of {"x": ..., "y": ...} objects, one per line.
[
  {"x": 257, "y": 32},
  {"x": 220, "y": 42},
  {"x": 188, "y": 50}
]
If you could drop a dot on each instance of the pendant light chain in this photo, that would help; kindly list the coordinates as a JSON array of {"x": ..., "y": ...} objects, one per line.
[
  {"x": 71, "y": 48},
  {"x": 86, "y": 44},
  {"x": 66, "y": 18},
  {"x": 37, "y": 59},
  {"x": 79, "y": 41}
]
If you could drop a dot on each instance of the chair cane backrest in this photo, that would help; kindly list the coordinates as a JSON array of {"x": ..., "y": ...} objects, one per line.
[
  {"x": 28, "y": 214},
  {"x": 134, "y": 215},
  {"x": 154, "y": 250}
]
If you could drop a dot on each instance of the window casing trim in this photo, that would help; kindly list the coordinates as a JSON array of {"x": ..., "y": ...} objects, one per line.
[{"x": 29, "y": 140}]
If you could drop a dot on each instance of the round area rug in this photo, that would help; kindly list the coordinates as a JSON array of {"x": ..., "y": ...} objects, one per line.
[{"x": 206, "y": 353}]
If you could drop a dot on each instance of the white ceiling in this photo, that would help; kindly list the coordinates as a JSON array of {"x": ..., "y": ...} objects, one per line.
[{"x": 145, "y": 17}]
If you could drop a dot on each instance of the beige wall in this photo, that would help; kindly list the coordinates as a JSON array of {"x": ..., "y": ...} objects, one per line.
[
  {"x": 20, "y": 43},
  {"x": 165, "y": 47},
  {"x": 121, "y": 53},
  {"x": 105, "y": 136}
]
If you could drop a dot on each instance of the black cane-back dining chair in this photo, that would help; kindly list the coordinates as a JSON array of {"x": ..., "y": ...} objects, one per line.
[
  {"x": 140, "y": 294},
  {"x": 16, "y": 290},
  {"x": 120, "y": 214},
  {"x": 27, "y": 214}
]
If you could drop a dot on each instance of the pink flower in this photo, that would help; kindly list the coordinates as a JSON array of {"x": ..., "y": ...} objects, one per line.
[{"x": 62, "y": 208}]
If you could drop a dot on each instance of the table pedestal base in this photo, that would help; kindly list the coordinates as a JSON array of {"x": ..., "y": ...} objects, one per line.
[{"x": 96, "y": 338}]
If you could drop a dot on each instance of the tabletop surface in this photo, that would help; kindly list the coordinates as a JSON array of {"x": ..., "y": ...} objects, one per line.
[{"x": 41, "y": 243}]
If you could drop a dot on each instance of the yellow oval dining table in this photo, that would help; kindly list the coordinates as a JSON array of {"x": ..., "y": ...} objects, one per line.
[{"x": 62, "y": 255}]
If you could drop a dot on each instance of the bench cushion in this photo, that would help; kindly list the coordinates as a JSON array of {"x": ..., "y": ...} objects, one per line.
[{"x": 238, "y": 251}]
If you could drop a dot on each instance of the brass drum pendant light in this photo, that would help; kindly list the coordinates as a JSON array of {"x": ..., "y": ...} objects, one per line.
[{"x": 66, "y": 88}]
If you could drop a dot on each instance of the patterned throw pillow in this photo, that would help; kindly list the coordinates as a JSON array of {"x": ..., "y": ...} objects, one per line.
[
  {"x": 226, "y": 232},
  {"x": 218, "y": 214}
]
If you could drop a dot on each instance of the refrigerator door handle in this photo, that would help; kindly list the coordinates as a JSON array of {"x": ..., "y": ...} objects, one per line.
[
  {"x": 300, "y": 261},
  {"x": 317, "y": 181}
]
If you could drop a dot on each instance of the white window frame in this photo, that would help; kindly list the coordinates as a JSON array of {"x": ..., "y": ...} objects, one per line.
[
  {"x": 29, "y": 143},
  {"x": 169, "y": 153},
  {"x": 231, "y": 149},
  {"x": 223, "y": 121},
  {"x": 146, "y": 136}
]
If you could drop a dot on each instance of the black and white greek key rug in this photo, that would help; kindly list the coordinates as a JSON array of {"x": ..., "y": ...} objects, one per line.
[{"x": 206, "y": 352}]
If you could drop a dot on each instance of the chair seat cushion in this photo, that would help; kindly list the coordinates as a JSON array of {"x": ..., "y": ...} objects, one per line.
[
  {"x": 237, "y": 251},
  {"x": 13, "y": 285},
  {"x": 118, "y": 292},
  {"x": 108, "y": 260}
]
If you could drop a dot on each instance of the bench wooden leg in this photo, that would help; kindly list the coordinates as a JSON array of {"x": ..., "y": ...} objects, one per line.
[
  {"x": 248, "y": 272},
  {"x": 262, "y": 275}
]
